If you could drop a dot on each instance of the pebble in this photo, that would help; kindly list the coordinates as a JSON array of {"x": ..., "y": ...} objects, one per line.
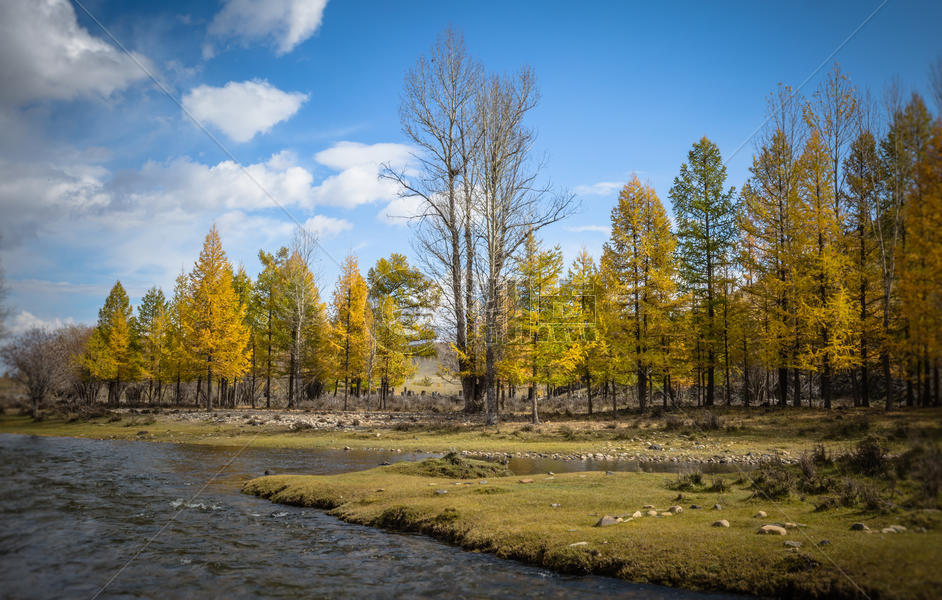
[
  {"x": 760, "y": 515},
  {"x": 555, "y": 505},
  {"x": 578, "y": 544},
  {"x": 717, "y": 507},
  {"x": 792, "y": 544},
  {"x": 721, "y": 523},
  {"x": 676, "y": 509},
  {"x": 695, "y": 507},
  {"x": 637, "y": 514},
  {"x": 528, "y": 480},
  {"x": 859, "y": 527},
  {"x": 441, "y": 491},
  {"x": 824, "y": 543},
  {"x": 651, "y": 513},
  {"x": 607, "y": 521},
  {"x": 771, "y": 530}
]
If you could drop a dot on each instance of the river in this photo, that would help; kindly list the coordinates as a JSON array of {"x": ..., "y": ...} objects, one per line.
[{"x": 73, "y": 512}]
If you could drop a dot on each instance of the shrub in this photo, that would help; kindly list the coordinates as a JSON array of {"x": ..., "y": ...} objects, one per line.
[
  {"x": 719, "y": 486},
  {"x": 687, "y": 482},
  {"x": 773, "y": 481},
  {"x": 869, "y": 457},
  {"x": 709, "y": 422}
]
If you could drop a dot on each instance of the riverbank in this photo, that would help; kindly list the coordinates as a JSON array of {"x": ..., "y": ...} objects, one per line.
[
  {"x": 735, "y": 437},
  {"x": 704, "y": 538}
]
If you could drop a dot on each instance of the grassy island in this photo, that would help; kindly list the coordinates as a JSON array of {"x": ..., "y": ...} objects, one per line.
[{"x": 558, "y": 522}]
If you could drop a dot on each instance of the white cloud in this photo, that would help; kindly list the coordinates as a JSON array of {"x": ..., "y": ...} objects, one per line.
[
  {"x": 401, "y": 210},
  {"x": 602, "y": 188},
  {"x": 241, "y": 110},
  {"x": 45, "y": 54},
  {"x": 358, "y": 181},
  {"x": 594, "y": 228},
  {"x": 25, "y": 321},
  {"x": 325, "y": 226},
  {"x": 286, "y": 22}
]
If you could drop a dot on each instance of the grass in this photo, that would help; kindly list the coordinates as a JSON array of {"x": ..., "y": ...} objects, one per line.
[
  {"x": 538, "y": 522},
  {"x": 777, "y": 432}
]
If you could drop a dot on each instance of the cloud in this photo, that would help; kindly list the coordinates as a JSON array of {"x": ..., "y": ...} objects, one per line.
[
  {"x": 602, "y": 188},
  {"x": 327, "y": 226},
  {"x": 45, "y": 54},
  {"x": 401, "y": 210},
  {"x": 242, "y": 110},
  {"x": 594, "y": 228},
  {"x": 287, "y": 23},
  {"x": 359, "y": 165},
  {"x": 25, "y": 321}
]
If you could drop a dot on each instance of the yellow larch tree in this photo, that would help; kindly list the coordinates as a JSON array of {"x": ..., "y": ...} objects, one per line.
[{"x": 215, "y": 323}]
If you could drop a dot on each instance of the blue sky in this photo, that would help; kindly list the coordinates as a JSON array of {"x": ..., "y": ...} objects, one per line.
[{"x": 102, "y": 177}]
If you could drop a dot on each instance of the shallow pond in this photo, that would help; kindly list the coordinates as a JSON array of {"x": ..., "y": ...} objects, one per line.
[{"x": 74, "y": 513}]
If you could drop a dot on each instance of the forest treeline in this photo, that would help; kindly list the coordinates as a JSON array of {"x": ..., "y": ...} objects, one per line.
[{"x": 818, "y": 279}]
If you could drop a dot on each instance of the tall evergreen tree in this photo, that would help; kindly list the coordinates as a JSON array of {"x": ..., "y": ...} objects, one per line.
[{"x": 706, "y": 233}]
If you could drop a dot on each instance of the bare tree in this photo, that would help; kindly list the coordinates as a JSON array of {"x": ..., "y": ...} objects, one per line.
[
  {"x": 37, "y": 363},
  {"x": 301, "y": 298},
  {"x": 510, "y": 202},
  {"x": 4, "y": 309},
  {"x": 436, "y": 112},
  {"x": 935, "y": 81}
]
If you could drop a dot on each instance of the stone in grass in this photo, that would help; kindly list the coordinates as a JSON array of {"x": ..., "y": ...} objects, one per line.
[
  {"x": 888, "y": 530},
  {"x": 771, "y": 530},
  {"x": 637, "y": 514},
  {"x": 607, "y": 521},
  {"x": 676, "y": 509},
  {"x": 721, "y": 523},
  {"x": 695, "y": 507},
  {"x": 717, "y": 507},
  {"x": 528, "y": 480},
  {"x": 651, "y": 513},
  {"x": 792, "y": 544},
  {"x": 667, "y": 513},
  {"x": 574, "y": 544},
  {"x": 859, "y": 527},
  {"x": 441, "y": 491},
  {"x": 647, "y": 506},
  {"x": 555, "y": 505},
  {"x": 760, "y": 515},
  {"x": 898, "y": 528},
  {"x": 824, "y": 543}
]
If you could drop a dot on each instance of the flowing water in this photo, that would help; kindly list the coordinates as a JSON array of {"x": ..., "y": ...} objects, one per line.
[{"x": 73, "y": 512}]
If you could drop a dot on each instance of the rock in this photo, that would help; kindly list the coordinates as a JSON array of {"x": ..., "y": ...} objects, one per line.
[
  {"x": 637, "y": 514},
  {"x": 607, "y": 521},
  {"x": 721, "y": 523},
  {"x": 654, "y": 447},
  {"x": 771, "y": 530},
  {"x": 666, "y": 514},
  {"x": 346, "y": 448},
  {"x": 676, "y": 509},
  {"x": 482, "y": 482},
  {"x": 792, "y": 544},
  {"x": 888, "y": 530},
  {"x": 609, "y": 472},
  {"x": 555, "y": 505},
  {"x": 385, "y": 463},
  {"x": 647, "y": 506},
  {"x": 528, "y": 480},
  {"x": 651, "y": 513},
  {"x": 789, "y": 525},
  {"x": 574, "y": 544},
  {"x": 824, "y": 543},
  {"x": 717, "y": 507},
  {"x": 760, "y": 515},
  {"x": 695, "y": 507},
  {"x": 380, "y": 490},
  {"x": 859, "y": 527},
  {"x": 441, "y": 491},
  {"x": 898, "y": 528}
]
